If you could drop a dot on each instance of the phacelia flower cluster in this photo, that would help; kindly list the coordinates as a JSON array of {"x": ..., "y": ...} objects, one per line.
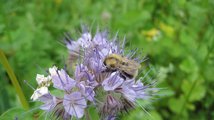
[{"x": 90, "y": 84}]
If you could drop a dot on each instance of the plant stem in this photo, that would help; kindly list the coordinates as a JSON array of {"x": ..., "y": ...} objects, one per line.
[
  {"x": 13, "y": 79},
  {"x": 87, "y": 115}
]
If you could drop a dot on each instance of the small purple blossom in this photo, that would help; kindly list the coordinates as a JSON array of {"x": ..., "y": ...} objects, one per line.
[
  {"x": 127, "y": 91},
  {"x": 62, "y": 81},
  {"x": 111, "y": 106},
  {"x": 87, "y": 91},
  {"x": 112, "y": 82},
  {"x": 74, "y": 104},
  {"x": 87, "y": 84},
  {"x": 49, "y": 102}
]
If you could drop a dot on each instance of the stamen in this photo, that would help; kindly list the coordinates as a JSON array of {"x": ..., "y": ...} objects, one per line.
[{"x": 29, "y": 85}]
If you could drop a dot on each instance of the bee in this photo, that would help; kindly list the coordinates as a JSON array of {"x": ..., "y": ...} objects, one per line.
[{"x": 126, "y": 67}]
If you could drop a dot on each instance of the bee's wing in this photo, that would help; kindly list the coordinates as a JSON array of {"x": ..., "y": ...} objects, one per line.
[
  {"x": 134, "y": 64},
  {"x": 131, "y": 68}
]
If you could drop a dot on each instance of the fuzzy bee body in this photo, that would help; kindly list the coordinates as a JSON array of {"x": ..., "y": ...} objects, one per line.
[{"x": 127, "y": 68}]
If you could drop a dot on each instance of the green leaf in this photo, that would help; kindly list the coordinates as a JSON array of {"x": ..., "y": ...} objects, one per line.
[
  {"x": 208, "y": 72},
  {"x": 155, "y": 115},
  {"x": 187, "y": 40},
  {"x": 189, "y": 65},
  {"x": 175, "y": 104},
  {"x": 93, "y": 113},
  {"x": 202, "y": 52},
  {"x": 197, "y": 92},
  {"x": 13, "y": 113}
]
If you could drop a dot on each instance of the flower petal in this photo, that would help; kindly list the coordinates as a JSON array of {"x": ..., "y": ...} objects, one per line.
[
  {"x": 112, "y": 82},
  {"x": 50, "y": 102},
  {"x": 62, "y": 81},
  {"x": 39, "y": 92},
  {"x": 74, "y": 104}
]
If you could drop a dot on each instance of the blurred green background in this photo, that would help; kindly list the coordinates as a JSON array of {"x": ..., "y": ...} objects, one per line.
[{"x": 177, "y": 35}]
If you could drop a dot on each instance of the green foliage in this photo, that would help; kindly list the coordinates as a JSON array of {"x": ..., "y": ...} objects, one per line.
[
  {"x": 13, "y": 79},
  {"x": 14, "y": 113},
  {"x": 176, "y": 35}
]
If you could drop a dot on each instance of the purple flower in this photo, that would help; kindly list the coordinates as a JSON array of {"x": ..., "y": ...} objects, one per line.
[
  {"x": 112, "y": 82},
  {"x": 87, "y": 91},
  {"x": 101, "y": 38},
  {"x": 127, "y": 91},
  {"x": 140, "y": 90},
  {"x": 61, "y": 79},
  {"x": 85, "y": 40},
  {"x": 83, "y": 74},
  {"x": 74, "y": 104},
  {"x": 111, "y": 106},
  {"x": 49, "y": 102},
  {"x": 89, "y": 84}
]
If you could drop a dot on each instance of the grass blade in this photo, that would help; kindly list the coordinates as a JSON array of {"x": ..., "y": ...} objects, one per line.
[{"x": 13, "y": 79}]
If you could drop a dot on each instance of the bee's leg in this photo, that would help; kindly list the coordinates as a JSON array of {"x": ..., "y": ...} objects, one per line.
[
  {"x": 108, "y": 70},
  {"x": 129, "y": 75},
  {"x": 122, "y": 76},
  {"x": 126, "y": 75}
]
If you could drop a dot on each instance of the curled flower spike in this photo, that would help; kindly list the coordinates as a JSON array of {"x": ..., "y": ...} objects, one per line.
[{"x": 111, "y": 88}]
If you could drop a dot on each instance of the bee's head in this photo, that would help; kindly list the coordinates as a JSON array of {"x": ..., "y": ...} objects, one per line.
[{"x": 110, "y": 62}]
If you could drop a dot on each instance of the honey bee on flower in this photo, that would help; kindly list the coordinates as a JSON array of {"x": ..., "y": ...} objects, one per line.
[{"x": 127, "y": 68}]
